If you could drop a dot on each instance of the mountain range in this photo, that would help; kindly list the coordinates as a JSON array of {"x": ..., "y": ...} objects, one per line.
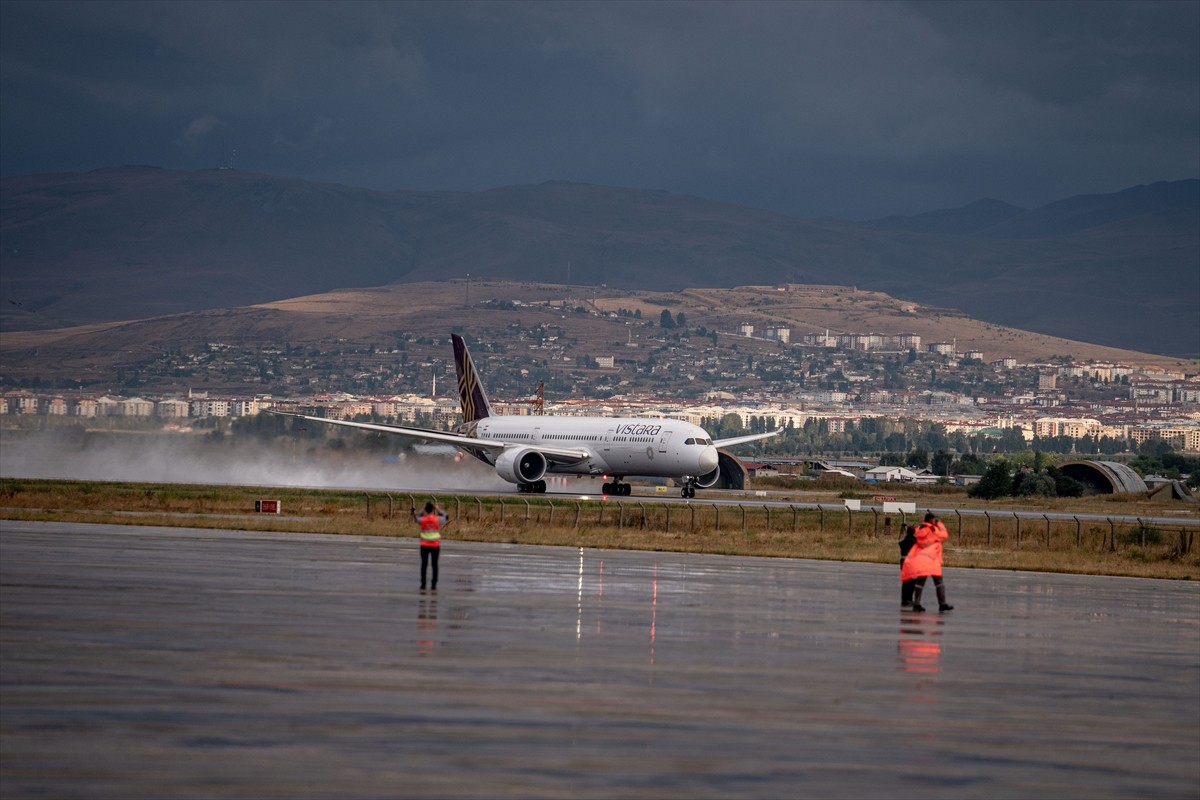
[{"x": 1120, "y": 269}]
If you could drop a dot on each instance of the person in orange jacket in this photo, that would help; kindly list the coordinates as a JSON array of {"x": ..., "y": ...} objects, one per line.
[
  {"x": 431, "y": 521},
  {"x": 924, "y": 560}
]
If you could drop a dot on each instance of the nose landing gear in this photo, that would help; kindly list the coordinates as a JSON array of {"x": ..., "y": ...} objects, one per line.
[{"x": 689, "y": 488}]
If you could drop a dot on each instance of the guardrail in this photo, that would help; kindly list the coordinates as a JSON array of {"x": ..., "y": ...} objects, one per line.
[{"x": 983, "y": 527}]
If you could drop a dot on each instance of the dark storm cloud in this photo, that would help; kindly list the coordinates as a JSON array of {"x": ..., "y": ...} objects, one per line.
[{"x": 813, "y": 108}]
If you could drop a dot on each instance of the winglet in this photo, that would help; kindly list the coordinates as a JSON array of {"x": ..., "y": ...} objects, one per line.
[{"x": 470, "y": 391}]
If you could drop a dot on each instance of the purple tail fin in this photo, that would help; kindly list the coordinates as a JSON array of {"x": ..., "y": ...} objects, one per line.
[{"x": 470, "y": 391}]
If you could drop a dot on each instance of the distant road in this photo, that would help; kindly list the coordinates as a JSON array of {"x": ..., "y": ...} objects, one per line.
[{"x": 1189, "y": 519}]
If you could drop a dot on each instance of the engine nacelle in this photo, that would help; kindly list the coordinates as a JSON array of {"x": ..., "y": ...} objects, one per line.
[
  {"x": 708, "y": 479},
  {"x": 521, "y": 466}
]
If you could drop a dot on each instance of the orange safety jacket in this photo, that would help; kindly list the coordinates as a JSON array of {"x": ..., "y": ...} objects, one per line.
[
  {"x": 431, "y": 525},
  {"x": 925, "y": 558}
]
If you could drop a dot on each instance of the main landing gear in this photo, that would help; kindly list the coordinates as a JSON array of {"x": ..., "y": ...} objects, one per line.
[
  {"x": 537, "y": 487},
  {"x": 617, "y": 488}
]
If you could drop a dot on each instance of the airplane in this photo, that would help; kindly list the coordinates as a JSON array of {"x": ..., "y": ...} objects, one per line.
[{"x": 524, "y": 449}]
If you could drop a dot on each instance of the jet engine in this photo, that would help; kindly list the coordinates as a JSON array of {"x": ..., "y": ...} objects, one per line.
[
  {"x": 521, "y": 466},
  {"x": 708, "y": 479}
]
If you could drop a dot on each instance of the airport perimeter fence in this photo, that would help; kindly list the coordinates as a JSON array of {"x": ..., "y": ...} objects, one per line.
[{"x": 993, "y": 529}]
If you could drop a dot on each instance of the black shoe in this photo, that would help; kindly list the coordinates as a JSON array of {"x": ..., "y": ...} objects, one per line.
[
  {"x": 422, "y": 586},
  {"x": 944, "y": 607},
  {"x": 918, "y": 607},
  {"x": 906, "y": 606}
]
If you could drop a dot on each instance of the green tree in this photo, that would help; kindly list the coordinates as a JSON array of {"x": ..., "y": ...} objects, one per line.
[
  {"x": 996, "y": 482},
  {"x": 665, "y": 320},
  {"x": 1033, "y": 484},
  {"x": 941, "y": 463},
  {"x": 1064, "y": 484},
  {"x": 917, "y": 459}
]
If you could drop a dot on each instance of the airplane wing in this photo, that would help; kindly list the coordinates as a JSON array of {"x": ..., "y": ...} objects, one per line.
[
  {"x": 753, "y": 437},
  {"x": 558, "y": 455}
]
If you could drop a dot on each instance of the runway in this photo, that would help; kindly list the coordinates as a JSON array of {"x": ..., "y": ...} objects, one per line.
[{"x": 178, "y": 663}]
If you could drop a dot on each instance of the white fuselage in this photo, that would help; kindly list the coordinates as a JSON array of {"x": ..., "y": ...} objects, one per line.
[{"x": 616, "y": 446}]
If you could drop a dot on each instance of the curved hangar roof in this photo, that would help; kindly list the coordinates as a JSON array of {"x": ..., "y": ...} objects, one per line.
[{"x": 1105, "y": 477}]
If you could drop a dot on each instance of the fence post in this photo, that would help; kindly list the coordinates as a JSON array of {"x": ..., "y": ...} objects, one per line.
[
  {"x": 1112, "y": 529},
  {"x": 642, "y": 506},
  {"x": 989, "y": 519},
  {"x": 502, "y": 510},
  {"x": 550, "y": 520},
  {"x": 391, "y": 513},
  {"x": 1142, "y": 529},
  {"x": 457, "y": 508},
  {"x": 849, "y": 522},
  {"x": 578, "y": 511},
  {"x": 717, "y": 511},
  {"x": 768, "y": 508},
  {"x": 1078, "y": 532},
  {"x": 743, "y": 517},
  {"x": 1018, "y": 519},
  {"x": 1047, "y": 517},
  {"x": 822, "y": 510},
  {"x": 793, "y": 508},
  {"x": 693, "y": 508},
  {"x": 526, "y": 509},
  {"x": 875, "y": 525},
  {"x": 368, "y": 506},
  {"x": 479, "y": 505},
  {"x": 958, "y": 514}
]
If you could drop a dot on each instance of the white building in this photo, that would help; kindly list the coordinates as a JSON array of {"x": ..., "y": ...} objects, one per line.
[
  {"x": 890, "y": 474},
  {"x": 208, "y": 407},
  {"x": 171, "y": 409}
]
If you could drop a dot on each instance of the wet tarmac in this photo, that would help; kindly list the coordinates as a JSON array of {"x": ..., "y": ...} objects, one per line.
[{"x": 167, "y": 663}]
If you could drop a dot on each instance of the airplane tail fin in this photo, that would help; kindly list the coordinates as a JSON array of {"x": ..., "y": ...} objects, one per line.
[{"x": 470, "y": 391}]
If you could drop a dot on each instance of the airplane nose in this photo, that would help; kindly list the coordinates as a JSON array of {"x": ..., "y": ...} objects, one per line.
[{"x": 708, "y": 460}]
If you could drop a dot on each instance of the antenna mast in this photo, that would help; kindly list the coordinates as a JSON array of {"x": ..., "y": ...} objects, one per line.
[{"x": 539, "y": 400}]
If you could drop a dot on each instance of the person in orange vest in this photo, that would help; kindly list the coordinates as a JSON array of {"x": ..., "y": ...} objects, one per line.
[
  {"x": 924, "y": 560},
  {"x": 431, "y": 521}
]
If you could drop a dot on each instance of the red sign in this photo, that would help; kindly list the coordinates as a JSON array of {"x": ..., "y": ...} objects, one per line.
[
  {"x": 883, "y": 498},
  {"x": 268, "y": 506}
]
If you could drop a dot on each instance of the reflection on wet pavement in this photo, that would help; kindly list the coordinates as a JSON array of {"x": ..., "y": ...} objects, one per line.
[{"x": 177, "y": 663}]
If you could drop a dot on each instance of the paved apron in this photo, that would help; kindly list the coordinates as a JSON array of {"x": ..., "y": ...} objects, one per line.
[{"x": 163, "y": 662}]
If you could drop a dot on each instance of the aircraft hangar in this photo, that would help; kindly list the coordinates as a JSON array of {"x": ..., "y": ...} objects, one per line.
[{"x": 1104, "y": 477}]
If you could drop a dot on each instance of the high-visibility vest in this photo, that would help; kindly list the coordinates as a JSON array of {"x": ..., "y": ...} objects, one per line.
[{"x": 431, "y": 530}]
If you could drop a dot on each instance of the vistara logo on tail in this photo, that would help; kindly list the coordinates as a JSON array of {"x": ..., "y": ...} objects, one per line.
[{"x": 471, "y": 395}]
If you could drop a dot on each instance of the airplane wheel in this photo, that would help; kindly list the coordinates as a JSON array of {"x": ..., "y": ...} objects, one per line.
[
  {"x": 540, "y": 487},
  {"x": 607, "y": 488},
  {"x": 626, "y": 489}
]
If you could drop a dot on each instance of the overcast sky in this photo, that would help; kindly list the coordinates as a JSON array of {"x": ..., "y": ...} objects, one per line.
[{"x": 844, "y": 109}]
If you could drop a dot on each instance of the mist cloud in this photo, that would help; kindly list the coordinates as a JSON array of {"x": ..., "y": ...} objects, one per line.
[{"x": 70, "y": 455}]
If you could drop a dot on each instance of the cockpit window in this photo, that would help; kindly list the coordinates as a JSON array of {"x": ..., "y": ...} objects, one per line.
[{"x": 690, "y": 441}]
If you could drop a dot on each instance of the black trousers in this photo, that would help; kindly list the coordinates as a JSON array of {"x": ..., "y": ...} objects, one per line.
[{"x": 429, "y": 554}]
